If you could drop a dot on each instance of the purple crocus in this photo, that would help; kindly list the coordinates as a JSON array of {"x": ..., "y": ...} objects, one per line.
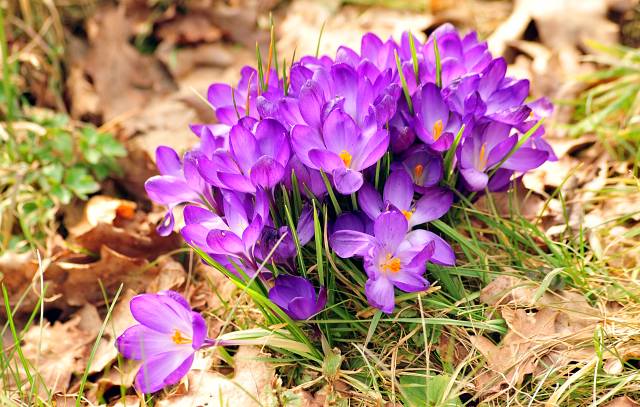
[
  {"x": 285, "y": 252},
  {"x": 307, "y": 177},
  {"x": 237, "y": 234},
  {"x": 343, "y": 150},
  {"x": 297, "y": 297},
  {"x": 433, "y": 123},
  {"x": 489, "y": 144},
  {"x": 398, "y": 195},
  {"x": 390, "y": 259},
  {"x": 166, "y": 339},
  {"x": 252, "y": 160},
  {"x": 424, "y": 167},
  {"x": 179, "y": 183}
]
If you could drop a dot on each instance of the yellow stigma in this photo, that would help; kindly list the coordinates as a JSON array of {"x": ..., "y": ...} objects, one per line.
[
  {"x": 417, "y": 171},
  {"x": 178, "y": 339},
  {"x": 345, "y": 157},
  {"x": 407, "y": 214},
  {"x": 531, "y": 114},
  {"x": 482, "y": 160},
  {"x": 437, "y": 130},
  {"x": 390, "y": 264}
]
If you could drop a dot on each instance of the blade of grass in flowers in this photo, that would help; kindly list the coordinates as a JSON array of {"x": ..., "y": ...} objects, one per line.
[
  {"x": 414, "y": 58},
  {"x": 555, "y": 192},
  {"x": 260, "y": 72},
  {"x": 498, "y": 325},
  {"x": 273, "y": 46},
  {"x": 372, "y": 328},
  {"x": 297, "y": 199},
  {"x": 123, "y": 389},
  {"x": 376, "y": 180},
  {"x": 235, "y": 106},
  {"x": 318, "y": 239},
  {"x": 438, "y": 63},
  {"x": 320, "y": 38},
  {"x": 40, "y": 305},
  {"x": 23, "y": 360},
  {"x": 405, "y": 89},
  {"x": 448, "y": 159},
  {"x": 284, "y": 76},
  {"x": 303, "y": 270},
  {"x": 330, "y": 282},
  {"x": 95, "y": 346},
  {"x": 331, "y": 194}
]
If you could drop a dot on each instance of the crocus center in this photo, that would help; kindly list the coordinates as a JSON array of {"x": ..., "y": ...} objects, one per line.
[
  {"x": 178, "y": 337},
  {"x": 437, "y": 130},
  {"x": 417, "y": 171},
  {"x": 482, "y": 160},
  {"x": 409, "y": 213},
  {"x": 390, "y": 264},
  {"x": 345, "y": 157}
]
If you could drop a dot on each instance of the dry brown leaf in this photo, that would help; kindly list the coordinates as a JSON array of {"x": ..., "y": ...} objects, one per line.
[
  {"x": 64, "y": 350},
  {"x": 623, "y": 401},
  {"x": 148, "y": 245},
  {"x": 188, "y": 29},
  {"x": 122, "y": 78},
  {"x": 208, "y": 387},
  {"x": 81, "y": 284},
  {"x": 98, "y": 209}
]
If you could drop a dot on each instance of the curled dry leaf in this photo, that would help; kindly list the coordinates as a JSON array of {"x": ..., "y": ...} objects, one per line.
[
  {"x": 64, "y": 350},
  {"x": 623, "y": 401},
  {"x": 208, "y": 387},
  {"x": 98, "y": 209}
]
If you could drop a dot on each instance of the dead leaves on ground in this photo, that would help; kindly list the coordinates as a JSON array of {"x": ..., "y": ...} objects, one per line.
[{"x": 548, "y": 331}]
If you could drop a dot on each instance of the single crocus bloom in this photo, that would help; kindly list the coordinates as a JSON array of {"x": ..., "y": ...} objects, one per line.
[
  {"x": 297, "y": 297},
  {"x": 423, "y": 166},
  {"x": 166, "y": 339},
  {"x": 489, "y": 144},
  {"x": 344, "y": 148},
  {"x": 390, "y": 259},
  {"x": 433, "y": 123},
  {"x": 398, "y": 195}
]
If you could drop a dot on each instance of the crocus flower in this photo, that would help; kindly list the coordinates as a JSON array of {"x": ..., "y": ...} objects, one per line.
[
  {"x": 343, "y": 150},
  {"x": 252, "y": 160},
  {"x": 489, "y": 144},
  {"x": 307, "y": 177},
  {"x": 390, "y": 259},
  {"x": 297, "y": 297},
  {"x": 286, "y": 250},
  {"x": 398, "y": 195},
  {"x": 433, "y": 123},
  {"x": 178, "y": 184},
  {"x": 358, "y": 221},
  {"x": 166, "y": 339},
  {"x": 423, "y": 166},
  {"x": 540, "y": 109}
]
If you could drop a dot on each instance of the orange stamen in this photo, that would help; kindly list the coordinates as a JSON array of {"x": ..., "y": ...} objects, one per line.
[
  {"x": 178, "y": 339},
  {"x": 345, "y": 157},
  {"x": 437, "y": 130},
  {"x": 407, "y": 214},
  {"x": 482, "y": 160},
  {"x": 417, "y": 170},
  {"x": 392, "y": 265}
]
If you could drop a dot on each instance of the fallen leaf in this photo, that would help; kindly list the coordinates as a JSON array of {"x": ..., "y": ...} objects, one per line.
[
  {"x": 623, "y": 401},
  {"x": 97, "y": 209},
  {"x": 208, "y": 387}
]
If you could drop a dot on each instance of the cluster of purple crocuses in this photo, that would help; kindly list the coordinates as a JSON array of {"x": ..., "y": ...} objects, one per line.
[{"x": 365, "y": 134}]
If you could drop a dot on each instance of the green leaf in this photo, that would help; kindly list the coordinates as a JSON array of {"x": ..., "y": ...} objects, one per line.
[
  {"x": 101, "y": 171},
  {"x": 80, "y": 182},
  {"x": 331, "y": 365},
  {"x": 64, "y": 144},
  {"x": 62, "y": 193},
  {"x": 89, "y": 136},
  {"x": 419, "y": 393},
  {"x": 54, "y": 172},
  {"x": 92, "y": 155},
  {"x": 110, "y": 146}
]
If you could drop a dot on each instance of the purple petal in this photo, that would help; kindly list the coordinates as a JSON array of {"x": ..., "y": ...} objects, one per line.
[
  {"x": 390, "y": 229},
  {"x": 237, "y": 182},
  {"x": 302, "y": 308},
  {"x": 345, "y": 80},
  {"x": 380, "y": 294},
  {"x": 512, "y": 115},
  {"x": 145, "y": 308},
  {"x": 162, "y": 370},
  {"x": 168, "y": 189},
  {"x": 266, "y": 172},
  {"x": 310, "y": 102},
  {"x": 500, "y": 151},
  {"x": 370, "y": 46},
  {"x": 199, "y": 330},
  {"x": 224, "y": 241},
  {"x": 372, "y": 151},
  {"x": 347, "y": 243},
  {"x": 399, "y": 190},
  {"x": 168, "y": 162},
  {"x": 306, "y": 228},
  {"x": 244, "y": 147},
  {"x": 491, "y": 77},
  {"x": 475, "y": 180},
  {"x": 525, "y": 159},
  {"x": 321, "y": 301},
  {"x": 370, "y": 201},
  {"x": 431, "y": 206},
  {"x": 443, "y": 253},
  {"x": 304, "y": 139},
  {"x": 139, "y": 342},
  {"x": 409, "y": 282},
  {"x": 340, "y": 133},
  {"x": 327, "y": 160},
  {"x": 220, "y": 95},
  {"x": 347, "y": 181}
]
